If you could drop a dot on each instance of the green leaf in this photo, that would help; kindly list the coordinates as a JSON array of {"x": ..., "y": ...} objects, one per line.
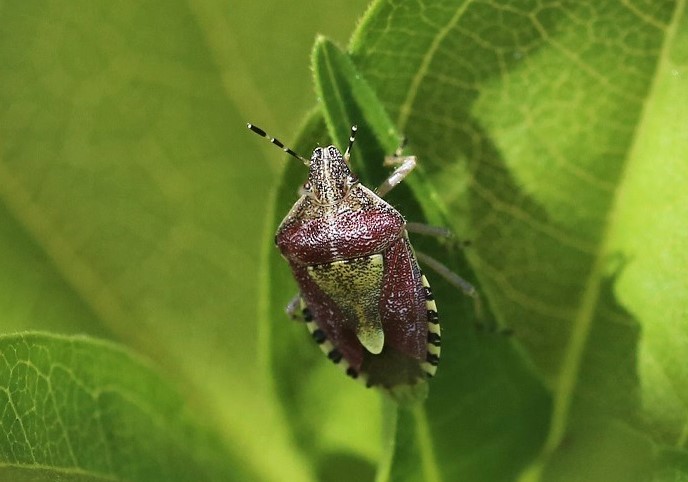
[
  {"x": 134, "y": 202},
  {"x": 540, "y": 126},
  {"x": 135, "y": 206},
  {"x": 649, "y": 234},
  {"x": 427, "y": 446},
  {"x": 75, "y": 408}
]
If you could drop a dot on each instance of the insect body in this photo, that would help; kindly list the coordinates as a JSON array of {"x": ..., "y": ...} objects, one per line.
[{"x": 362, "y": 293}]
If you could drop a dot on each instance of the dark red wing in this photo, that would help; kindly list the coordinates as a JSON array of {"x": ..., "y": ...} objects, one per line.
[
  {"x": 405, "y": 321},
  {"x": 404, "y": 316},
  {"x": 402, "y": 304}
]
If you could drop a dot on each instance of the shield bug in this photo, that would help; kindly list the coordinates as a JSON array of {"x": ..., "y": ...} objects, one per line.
[{"x": 362, "y": 293}]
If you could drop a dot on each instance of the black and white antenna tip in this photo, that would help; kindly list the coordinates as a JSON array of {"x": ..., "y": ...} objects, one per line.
[{"x": 276, "y": 142}]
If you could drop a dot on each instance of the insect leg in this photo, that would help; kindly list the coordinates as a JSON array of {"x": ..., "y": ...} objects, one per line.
[
  {"x": 451, "y": 277},
  {"x": 429, "y": 230},
  {"x": 437, "y": 232},
  {"x": 403, "y": 164},
  {"x": 297, "y": 310},
  {"x": 467, "y": 289}
]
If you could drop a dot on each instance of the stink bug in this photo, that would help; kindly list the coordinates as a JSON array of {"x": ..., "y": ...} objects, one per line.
[{"x": 362, "y": 294}]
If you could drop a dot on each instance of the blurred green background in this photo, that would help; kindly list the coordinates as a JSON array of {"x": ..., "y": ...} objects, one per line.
[
  {"x": 134, "y": 200},
  {"x": 136, "y": 207}
]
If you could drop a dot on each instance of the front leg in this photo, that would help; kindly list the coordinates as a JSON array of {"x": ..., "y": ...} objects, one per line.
[{"x": 404, "y": 165}]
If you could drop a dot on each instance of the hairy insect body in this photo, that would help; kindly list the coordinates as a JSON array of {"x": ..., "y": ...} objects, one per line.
[
  {"x": 359, "y": 280},
  {"x": 359, "y": 224}
]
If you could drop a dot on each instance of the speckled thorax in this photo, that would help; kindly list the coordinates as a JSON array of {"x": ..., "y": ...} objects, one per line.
[{"x": 359, "y": 224}]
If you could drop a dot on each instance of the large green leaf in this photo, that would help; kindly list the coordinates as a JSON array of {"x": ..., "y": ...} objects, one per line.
[
  {"x": 535, "y": 121},
  {"x": 132, "y": 198},
  {"x": 74, "y": 408},
  {"x": 476, "y": 371},
  {"x": 133, "y": 205}
]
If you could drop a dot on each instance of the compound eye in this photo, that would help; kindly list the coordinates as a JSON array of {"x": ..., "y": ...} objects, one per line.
[
  {"x": 307, "y": 186},
  {"x": 317, "y": 153},
  {"x": 353, "y": 179}
]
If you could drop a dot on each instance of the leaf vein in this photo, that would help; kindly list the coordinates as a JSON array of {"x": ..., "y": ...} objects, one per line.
[{"x": 406, "y": 106}]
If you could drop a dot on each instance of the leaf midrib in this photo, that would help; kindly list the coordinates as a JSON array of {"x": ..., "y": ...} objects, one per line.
[{"x": 430, "y": 467}]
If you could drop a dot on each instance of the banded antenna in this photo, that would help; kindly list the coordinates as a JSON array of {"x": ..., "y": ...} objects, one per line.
[
  {"x": 352, "y": 137},
  {"x": 277, "y": 142}
]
